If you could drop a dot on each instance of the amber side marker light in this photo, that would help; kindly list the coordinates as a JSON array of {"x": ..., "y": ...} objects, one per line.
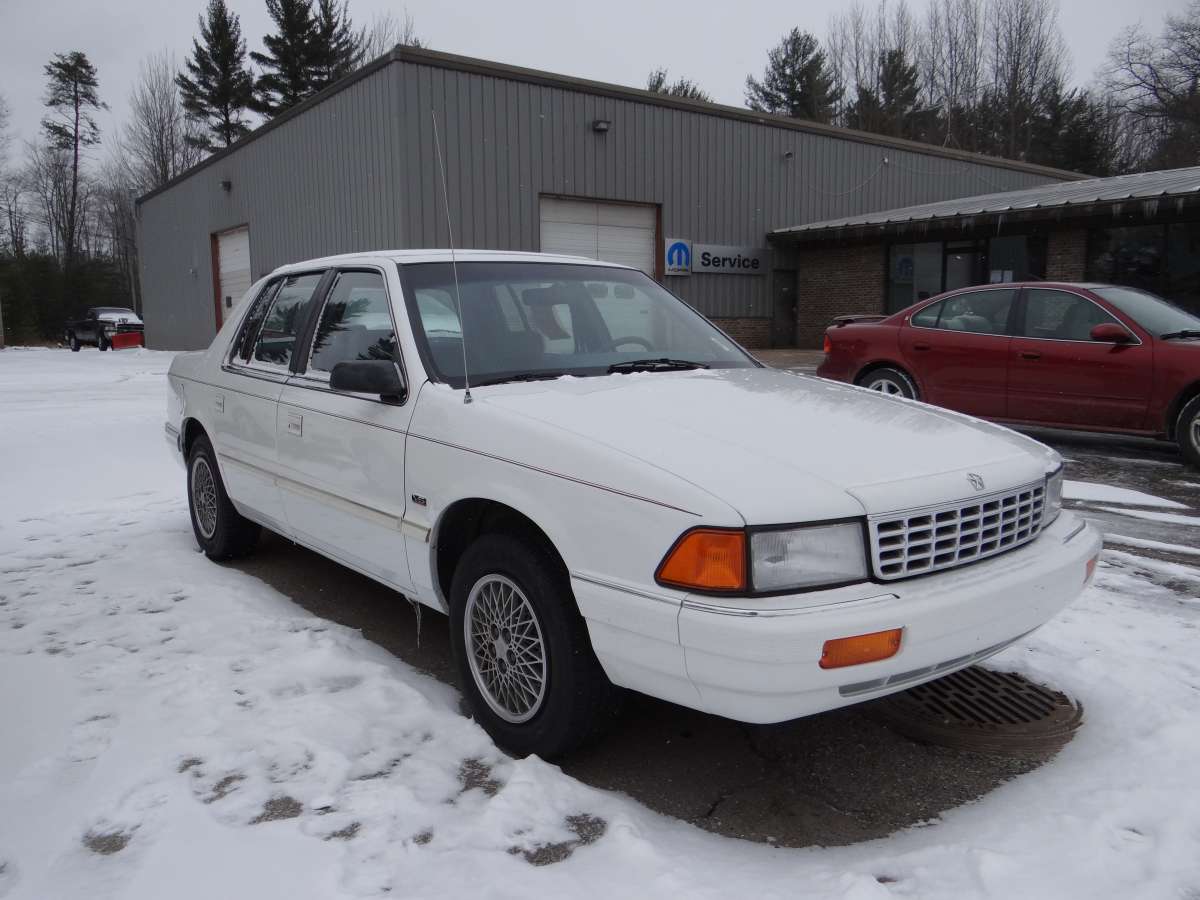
[
  {"x": 1091, "y": 570},
  {"x": 827, "y": 347},
  {"x": 862, "y": 648},
  {"x": 706, "y": 559}
]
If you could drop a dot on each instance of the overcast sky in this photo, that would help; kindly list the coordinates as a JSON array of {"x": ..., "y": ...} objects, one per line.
[{"x": 612, "y": 40}]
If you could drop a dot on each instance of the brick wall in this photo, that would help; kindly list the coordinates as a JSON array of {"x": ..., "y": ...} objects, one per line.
[
  {"x": 750, "y": 333},
  {"x": 1066, "y": 254},
  {"x": 836, "y": 281}
]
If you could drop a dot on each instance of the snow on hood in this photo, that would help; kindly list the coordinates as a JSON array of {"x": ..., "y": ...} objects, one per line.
[{"x": 779, "y": 447}]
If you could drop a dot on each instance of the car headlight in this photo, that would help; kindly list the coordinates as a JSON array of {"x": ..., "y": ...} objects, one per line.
[
  {"x": 808, "y": 556},
  {"x": 1053, "y": 503}
]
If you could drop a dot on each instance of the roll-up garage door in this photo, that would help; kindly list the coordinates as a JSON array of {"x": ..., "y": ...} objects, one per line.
[
  {"x": 614, "y": 232},
  {"x": 233, "y": 266}
]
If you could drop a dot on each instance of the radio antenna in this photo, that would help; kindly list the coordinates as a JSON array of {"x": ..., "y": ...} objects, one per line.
[{"x": 462, "y": 322}]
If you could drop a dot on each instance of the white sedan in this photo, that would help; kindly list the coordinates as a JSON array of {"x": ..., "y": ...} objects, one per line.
[{"x": 602, "y": 490}]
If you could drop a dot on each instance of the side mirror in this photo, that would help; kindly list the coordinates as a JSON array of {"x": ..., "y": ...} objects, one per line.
[
  {"x": 370, "y": 376},
  {"x": 1111, "y": 333}
]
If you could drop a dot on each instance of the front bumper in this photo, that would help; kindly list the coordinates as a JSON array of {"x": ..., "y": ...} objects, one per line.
[
  {"x": 759, "y": 663},
  {"x": 757, "y": 659}
]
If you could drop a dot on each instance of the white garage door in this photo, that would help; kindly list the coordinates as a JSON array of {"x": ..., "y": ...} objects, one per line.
[
  {"x": 233, "y": 264},
  {"x": 614, "y": 232}
]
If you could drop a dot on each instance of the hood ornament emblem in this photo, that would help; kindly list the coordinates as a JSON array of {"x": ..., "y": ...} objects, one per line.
[{"x": 976, "y": 481}]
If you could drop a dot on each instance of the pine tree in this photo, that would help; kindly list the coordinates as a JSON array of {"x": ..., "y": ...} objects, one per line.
[
  {"x": 338, "y": 50},
  {"x": 289, "y": 65},
  {"x": 72, "y": 95},
  {"x": 890, "y": 105},
  {"x": 218, "y": 88},
  {"x": 797, "y": 82}
]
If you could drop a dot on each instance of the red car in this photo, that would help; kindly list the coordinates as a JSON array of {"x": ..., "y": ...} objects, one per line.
[{"x": 1091, "y": 357}]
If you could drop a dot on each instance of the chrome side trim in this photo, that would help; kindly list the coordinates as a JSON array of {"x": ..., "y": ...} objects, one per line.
[
  {"x": 542, "y": 471},
  {"x": 749, "y": 612},
  {"x": 370, "y": 513},
  {"x": 625, "y": 589}
]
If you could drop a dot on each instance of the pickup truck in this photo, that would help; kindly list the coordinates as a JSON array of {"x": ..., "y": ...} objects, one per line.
[{"x": 99, "y": 326}]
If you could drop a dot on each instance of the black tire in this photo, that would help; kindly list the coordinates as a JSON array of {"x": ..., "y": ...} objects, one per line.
[
  {"x": 1187, "y": 431},
  {"x": 577, "y": 702},
  {"x": 228, "y": 534},
  {"x": 102, "y": 342},
  {"x": 73, "y": 342},
  {"x": 890, "y": 381}
]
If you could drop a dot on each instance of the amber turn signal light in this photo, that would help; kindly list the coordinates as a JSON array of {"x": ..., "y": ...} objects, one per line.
[
  {"x": 862, "y": 648},
  {"x": 827, "y": 347},
  {"x": 706, "y": 559},
  {"x": 1090, "y": 572}
]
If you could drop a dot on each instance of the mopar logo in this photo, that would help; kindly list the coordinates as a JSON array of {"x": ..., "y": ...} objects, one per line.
[
  {"x": 678, "y": 257},
  {"x": 976, "y": 481}
]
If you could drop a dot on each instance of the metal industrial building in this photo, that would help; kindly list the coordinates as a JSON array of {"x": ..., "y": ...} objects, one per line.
[{"x": 534, "y": 161}]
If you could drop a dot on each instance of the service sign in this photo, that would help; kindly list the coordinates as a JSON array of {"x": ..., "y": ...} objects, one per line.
[
  {"x": 682, "y": 257},
  {"x": 718, "y": 259}
]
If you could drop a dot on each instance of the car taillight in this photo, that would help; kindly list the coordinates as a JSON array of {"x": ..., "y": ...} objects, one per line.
[{"x": 827, "y": 347}]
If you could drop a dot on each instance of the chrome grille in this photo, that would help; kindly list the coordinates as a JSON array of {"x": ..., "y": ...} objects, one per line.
[{"x": 941, "y": 537}]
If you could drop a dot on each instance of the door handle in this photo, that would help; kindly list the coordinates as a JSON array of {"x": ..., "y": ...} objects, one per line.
[
  {"x": 295, "y": 424},
  {"x": 922, "y": 347},
  {"x": 1030, "y": 354}
]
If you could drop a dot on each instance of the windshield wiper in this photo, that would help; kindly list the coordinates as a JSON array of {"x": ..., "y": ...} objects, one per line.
[
  {"x": 1183, "y": 333},
  {"x": 520, "y": 376},
  {"x": 665, "y": 364}
]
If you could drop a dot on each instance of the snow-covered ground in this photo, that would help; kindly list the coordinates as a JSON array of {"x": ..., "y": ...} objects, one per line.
[{"x": 174, "y": 728}]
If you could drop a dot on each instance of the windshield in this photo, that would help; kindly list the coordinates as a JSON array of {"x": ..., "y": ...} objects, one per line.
[
  {"x": 554, "y": 319},
  {"x": 1153, "y": 313}
]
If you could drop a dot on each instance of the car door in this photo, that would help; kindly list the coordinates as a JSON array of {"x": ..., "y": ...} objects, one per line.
[
  {"x": 958, "y": 348},
  {"x": 341, "y": 455},
  {"x": 1059, "y": 376},
  {"x": 243, "y": 406}
]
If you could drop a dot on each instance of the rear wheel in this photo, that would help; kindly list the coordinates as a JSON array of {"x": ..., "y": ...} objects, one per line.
[
  {"x": 892, "y": 382},
  {"x": 73, "y": 342},
  {"x": 1187, "y": 432},
  {"x": 522, "y": 649},
  {"x": 221, "y": 531}
]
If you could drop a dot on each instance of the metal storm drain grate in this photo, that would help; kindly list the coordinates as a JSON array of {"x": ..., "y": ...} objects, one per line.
[{"x": 983, "y": 710}]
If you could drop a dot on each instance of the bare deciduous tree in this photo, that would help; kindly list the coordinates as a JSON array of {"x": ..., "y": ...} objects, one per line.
[
  {"x": 159, "y": 140},
  {"x": 385, "y": 32}
]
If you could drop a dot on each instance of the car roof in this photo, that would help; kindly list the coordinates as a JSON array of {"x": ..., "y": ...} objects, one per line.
[{"x": 444, "y": 255}]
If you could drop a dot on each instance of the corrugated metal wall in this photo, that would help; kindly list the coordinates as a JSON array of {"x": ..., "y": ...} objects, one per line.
[{"x": 358, "y": 171}]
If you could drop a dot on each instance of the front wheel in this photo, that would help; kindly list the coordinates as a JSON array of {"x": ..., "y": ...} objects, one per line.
[
  {"x": 73, "y": 342},
  {"x": 103, "y": 342},
  {"x": 1187, "y": 432},
  {"x": 221, "y": 531},
  {"x": 522, "y": 649},
  {"x": 890, "y": 381}
]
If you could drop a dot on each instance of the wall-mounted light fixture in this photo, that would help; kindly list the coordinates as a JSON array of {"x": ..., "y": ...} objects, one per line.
[
  {"x": 788, "y": 154},
  {"x": 227, "y": 186},
  {"x": 601, "y": 125}
]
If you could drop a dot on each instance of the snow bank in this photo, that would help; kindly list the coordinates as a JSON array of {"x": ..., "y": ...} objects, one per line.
[{"x": 174, "y": 728}]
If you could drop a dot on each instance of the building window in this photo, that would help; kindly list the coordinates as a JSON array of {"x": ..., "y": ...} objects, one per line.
[
  {"x": 1183, "y": 265},
  {"x": 965, "y": 265},
  {"x": 914, "y": 273},
  {"x": 1017, "y": 257},
  {"x": 1131, "y": 256}
]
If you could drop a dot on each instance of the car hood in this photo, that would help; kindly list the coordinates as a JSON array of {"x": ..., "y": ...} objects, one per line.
[{"x": 780, "y": 447}]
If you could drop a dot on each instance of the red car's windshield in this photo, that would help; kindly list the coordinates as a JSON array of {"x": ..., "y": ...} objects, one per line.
[{"x": 1156, "y": 315}]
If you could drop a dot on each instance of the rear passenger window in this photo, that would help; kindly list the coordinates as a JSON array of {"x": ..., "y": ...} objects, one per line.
[
  {"x": 244, "y": 341},
  {"x": 977, "y": 312},
  {"x": 356, "y": 323},
  {"x": 277, "y": 339}
]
